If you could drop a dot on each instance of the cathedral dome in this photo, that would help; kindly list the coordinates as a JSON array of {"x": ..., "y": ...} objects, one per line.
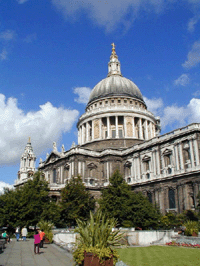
[{"x": 115, "y": 85}]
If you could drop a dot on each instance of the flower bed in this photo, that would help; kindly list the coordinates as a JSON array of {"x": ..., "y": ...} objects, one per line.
[{"x": 173, "y": 243}]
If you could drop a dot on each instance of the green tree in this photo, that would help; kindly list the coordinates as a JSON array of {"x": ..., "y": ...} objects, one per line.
[
  {"x": 129, "y": 208},
  {"x": 28, "y": 204},
  {"x": 76, "y": 202}
]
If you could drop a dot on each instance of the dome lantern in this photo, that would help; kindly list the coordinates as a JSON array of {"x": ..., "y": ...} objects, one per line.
[{"x": 114, "y": 64}]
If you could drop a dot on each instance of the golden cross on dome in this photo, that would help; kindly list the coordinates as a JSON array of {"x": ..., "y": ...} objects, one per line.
[
  {"x": 113, "y": 46},
  {"x": 29, "y": 140}
]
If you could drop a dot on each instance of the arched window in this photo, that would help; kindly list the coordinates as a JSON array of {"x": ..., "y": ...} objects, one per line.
[{"x": 172, "y": 203}]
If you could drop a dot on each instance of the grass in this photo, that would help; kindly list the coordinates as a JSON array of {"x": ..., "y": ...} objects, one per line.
[{"x": 160, "y": 256}]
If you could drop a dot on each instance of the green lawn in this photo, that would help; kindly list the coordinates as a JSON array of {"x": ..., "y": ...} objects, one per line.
[{"x": 160, "y": 256}]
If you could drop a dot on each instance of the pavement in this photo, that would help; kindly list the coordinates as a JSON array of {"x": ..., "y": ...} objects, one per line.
[{"x": 21, "y": 253}]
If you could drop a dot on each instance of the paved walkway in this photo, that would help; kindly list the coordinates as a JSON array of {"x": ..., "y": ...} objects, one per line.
[{"x": 21, "y": 253}]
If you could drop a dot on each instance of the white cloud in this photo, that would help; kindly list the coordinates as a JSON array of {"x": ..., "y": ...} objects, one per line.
[
  {"x": 192, "y": 22},
  {"x": 7, "y": 35},
  {"x": 83, "y": 94},
  {"x": 193, "y": 57},
  {"x": 4, "y": 185},
  {"x": 3, "y": 55},
  {"x": 21, "y": 1},
  {"x": 174, "y": 116},
  {"x": 183, "y": 80},
  {"x": 30, "y": 38},
  {"x": 196, "y": 93},
  {"x": 112, "y": 13},
  {"x": 154, "y": 105},
  {"x": 44, "y": 126},
  {"x": 108, "y": 13}
]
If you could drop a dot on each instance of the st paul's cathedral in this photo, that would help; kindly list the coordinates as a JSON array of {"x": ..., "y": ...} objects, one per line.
[{"x": 118, "y": 132}]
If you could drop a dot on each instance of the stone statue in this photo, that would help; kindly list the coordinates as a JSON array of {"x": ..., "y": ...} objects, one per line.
[
  {"x": 63, "y": 148},
  {"x": 54, "y": 146},
  {"x": 73, "y": 145}
]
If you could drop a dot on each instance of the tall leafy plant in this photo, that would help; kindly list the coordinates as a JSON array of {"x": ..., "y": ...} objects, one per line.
[{"x": 97, "y": 236}]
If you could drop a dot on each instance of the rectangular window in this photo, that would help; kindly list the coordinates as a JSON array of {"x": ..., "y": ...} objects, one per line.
[{"x": 106, "y": 134}]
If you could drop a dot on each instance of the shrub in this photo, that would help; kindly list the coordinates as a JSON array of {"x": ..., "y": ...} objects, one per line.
[
  {"x": 191, "y": 227},
  {"x": 46, "y": 226}
]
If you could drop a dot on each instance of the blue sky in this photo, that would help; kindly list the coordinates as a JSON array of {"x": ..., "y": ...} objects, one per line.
[{"x": 52, "y": 53}]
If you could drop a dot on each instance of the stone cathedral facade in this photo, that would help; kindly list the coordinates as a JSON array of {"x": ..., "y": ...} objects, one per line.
[{"x": 118, "y": 132}]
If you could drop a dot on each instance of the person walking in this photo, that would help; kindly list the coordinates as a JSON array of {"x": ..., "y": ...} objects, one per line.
[
  {"x": 42, "y": 234},
  {"x": 17, "y": 232},
  {"x": 24, "y": 233},
  {"x": 5, "y": 236},
  {"x": 36, "y": 242}
]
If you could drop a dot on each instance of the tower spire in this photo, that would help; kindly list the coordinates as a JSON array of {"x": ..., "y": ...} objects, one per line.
[{"x": 114, "y": 64}]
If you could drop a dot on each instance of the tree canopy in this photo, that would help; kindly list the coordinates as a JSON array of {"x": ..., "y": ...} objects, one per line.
[
  {"x": 129, "y": 208},
  {"x": 28, "y": 204},
  {"x": 76, "y": 202}
]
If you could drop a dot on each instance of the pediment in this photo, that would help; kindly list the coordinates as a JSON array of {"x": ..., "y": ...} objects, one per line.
[
  {"x": 92, "y": 166},
  {"x": 167, "y": 152},
  {"x": 127, "y": 164},
  {"x": 146, "y": 158},
  {"x": 52, "y": 158}
]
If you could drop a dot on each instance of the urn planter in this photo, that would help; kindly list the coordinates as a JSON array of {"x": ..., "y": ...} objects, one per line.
[{"x": 92, "y": 260}]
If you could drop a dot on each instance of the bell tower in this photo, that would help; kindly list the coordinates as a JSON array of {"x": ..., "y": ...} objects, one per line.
[{"x": 27, "y": 164}]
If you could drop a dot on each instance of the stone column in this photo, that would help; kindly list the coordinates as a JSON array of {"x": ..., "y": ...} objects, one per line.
[
  {"x": 162, "y": 200},
  {"x": 116, "y": 126},
  {"x": 100, "y": 128},
  {"x": 72, "y": 164},
  {"x": 70, "y": 170},
  {"x": 150, "y": 130},
  {"x": 181, "y": 156},
  {"x": 191, "y": 153},
  {"x": 158, "y": 161},
  {"x": 186, "y": 199},
  {"x": 176, "y": 156},
  {"x": 146, "y": 130},
  {"x": 81, "y": 137},
  {"x": 92, "y": 129},
  {"x": 61, "y": 175},
  {"x": 135, "y": 167},
  {"x": 125, "y": 129},
  {"x": 133, "y": 123},
  {"x": 87, "y": 131},
  {"x": 138, "y": 167},
  {"x": 83, "y": 170},
  {"x": 79, "y": 167},
  {"x": 107, "y": 171},
  {"x": 154, "y": 162},
  {"x": 83, "y": 130},
  {"x": 140, "y": 129},
  {"x": 108, "y": 127},
  {"x": 132, "y": 167},
  {"x": 196, "y": 151}
]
